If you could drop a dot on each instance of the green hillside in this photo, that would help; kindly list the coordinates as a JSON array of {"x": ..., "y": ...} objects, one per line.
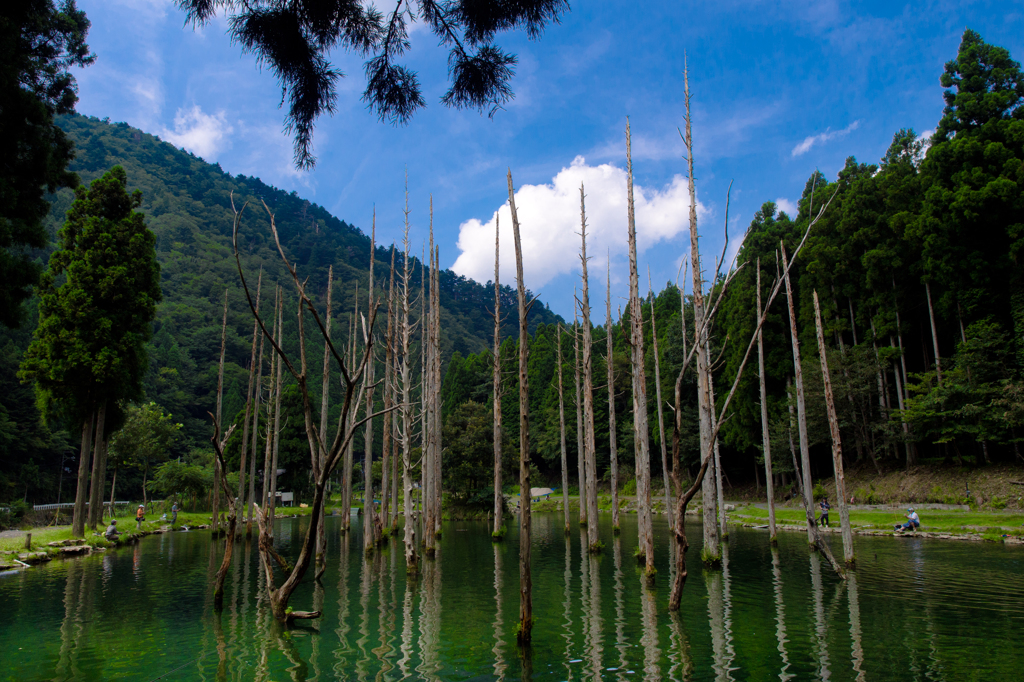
[{"x": 187, "y": 203}]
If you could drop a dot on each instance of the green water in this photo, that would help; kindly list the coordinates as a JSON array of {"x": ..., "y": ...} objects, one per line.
[{"x": 913, "y": 610}]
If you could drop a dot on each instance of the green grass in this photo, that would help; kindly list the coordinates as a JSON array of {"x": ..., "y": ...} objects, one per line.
[{"x": 938, "y": 521}]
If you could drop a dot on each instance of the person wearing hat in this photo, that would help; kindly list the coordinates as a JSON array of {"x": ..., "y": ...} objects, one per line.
[
  {"x": 111, "y": 532},
  {"x": 913, "y": 521},
  {"x": 140, "y": 516}
]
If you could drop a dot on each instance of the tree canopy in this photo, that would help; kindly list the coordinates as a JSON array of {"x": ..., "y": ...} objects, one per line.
[
  {"x": 295, "y": 39},
  {"x": 39, "y": 43}
]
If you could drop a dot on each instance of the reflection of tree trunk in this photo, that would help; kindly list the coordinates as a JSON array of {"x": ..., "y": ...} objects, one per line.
[
  {"x": 855, "y": 629},
  {"x": 780, "y": 616},
  {"x": 363, "y": 643},
  {"x": 594, "y": 645},
  {"x": 525, "y": 575},
  {"x": 716, "y": 616},
  {"x": 820, "y": 623},
  {"x": 649, "y": 638},
  {"x": 681, "y": 664},
  {"x": 570, "y": 624},
  {"x": 499, "y": 634}
]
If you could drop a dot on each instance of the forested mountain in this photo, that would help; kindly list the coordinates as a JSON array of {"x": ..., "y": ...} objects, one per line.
[
  {"x": 917, "y": 264},
  {"x": 187, "y": 204}
]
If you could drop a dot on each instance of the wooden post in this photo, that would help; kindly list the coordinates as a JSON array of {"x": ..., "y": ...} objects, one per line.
[
  {"x": 837, "y": 446},
  {"x": 765, "y": 437},
  {"x": 525, "y": 632}
]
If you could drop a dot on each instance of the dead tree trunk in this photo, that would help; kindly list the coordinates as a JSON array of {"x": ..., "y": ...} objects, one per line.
[
  {"x": 499, "y": 502},
  {"x": 370, "y": 533},
  {"x": 389, "y": 354},
  {"x": 248, "y": 398},
  {"x": 580, "y": 448},
  {"x": 801, "y": 410},
  {"x": 257, "y": 394},
  {"x": 641, "y": 442},
  {"x": 612, "y": 435},
  {"x": 347, "y": 466},
  {"x": 837, "y": 446},
  {"x": 405, "y": 329},
  {"x": 590, "y": 450},
  {"x": 218, "y": 473},
  {"x": 765, "y": 438},
  {"x": 352, "y": 380},
  {"x": 525, "y": 631},
  {"x": 278, "y": 382},
  {"x": 268, "y": 450},
  {"x": 436, "y": 292},
  {"x": 657, "y": 395},
  {"x": 561, "y": 431},
  {"x": 321, "y": 458}
]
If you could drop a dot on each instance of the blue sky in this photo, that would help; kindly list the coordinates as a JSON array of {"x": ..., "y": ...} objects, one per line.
[{"x": 779, "y": 88}]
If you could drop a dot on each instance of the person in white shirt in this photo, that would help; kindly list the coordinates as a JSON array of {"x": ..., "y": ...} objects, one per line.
[{"x": 913, "y": 521}]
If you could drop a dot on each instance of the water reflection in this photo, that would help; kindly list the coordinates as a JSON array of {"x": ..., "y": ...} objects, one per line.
[
  {"x": 499, "y": 631},
  {"x": 649, "y": 639},
  {"x": 768, "y": 615},
  {"x": 780, "y": 616},
  {"x": 820, "y": 646},
  {"x": 853, "y": 601},
  {"x": 620, "y": 608}
]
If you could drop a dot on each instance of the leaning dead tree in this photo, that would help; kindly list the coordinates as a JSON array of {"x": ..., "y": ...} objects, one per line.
[
  {"x": 589, "y": 448},
  {"x": 837, "y": 445},
  {"x": 525, "y": 631},
  {"x": 641, "y": 445},
  {"x": 499, "y": 503},
  {"x": 806, "y": 495},
  {"x": 702, "y": 323},
  {"x": 612, "y": 435},
  {"x": 353, "y": 390}
]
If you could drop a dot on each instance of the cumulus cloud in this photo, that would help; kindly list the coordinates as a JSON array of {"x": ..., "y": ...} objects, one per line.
[
  {"x": 787, "y": 206},
  {"x": 822, "y": 138},
  {"x": 549, "y": 221},
  {"x": 202, "y": 134}
]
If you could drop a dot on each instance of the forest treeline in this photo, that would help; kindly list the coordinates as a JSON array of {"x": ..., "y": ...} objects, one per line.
[
  {"x": 916, "y": 261},
  {"x": 187, "y": 206}
]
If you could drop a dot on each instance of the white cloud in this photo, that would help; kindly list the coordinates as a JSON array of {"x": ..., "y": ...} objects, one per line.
[
  {"x": 202, "y": 134},
  {"x": 787, "y": 206},
  {"x": 549, "y": 222},
  {"x": 821, "y": 138}
]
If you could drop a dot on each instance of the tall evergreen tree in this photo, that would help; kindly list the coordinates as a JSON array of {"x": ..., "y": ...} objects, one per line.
[{"x": 97, "y": 300}]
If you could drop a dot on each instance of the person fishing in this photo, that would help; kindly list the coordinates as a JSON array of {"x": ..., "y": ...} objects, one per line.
[
  {"x": 824, "y": 506},
  {"x": 111, "y": 533},
  {"x": 174, "y": 513},
  {"x": 140, "y": 516},
  {"x": 913, "y": 521}
]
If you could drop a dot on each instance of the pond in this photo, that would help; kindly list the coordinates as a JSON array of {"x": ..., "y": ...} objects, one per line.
[{"x": 914, "y": 609}]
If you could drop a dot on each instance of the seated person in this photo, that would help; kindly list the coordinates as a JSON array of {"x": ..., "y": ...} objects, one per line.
[
  {"x": 111, "y": 532},
  {"x": 913, "y": 521}
]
